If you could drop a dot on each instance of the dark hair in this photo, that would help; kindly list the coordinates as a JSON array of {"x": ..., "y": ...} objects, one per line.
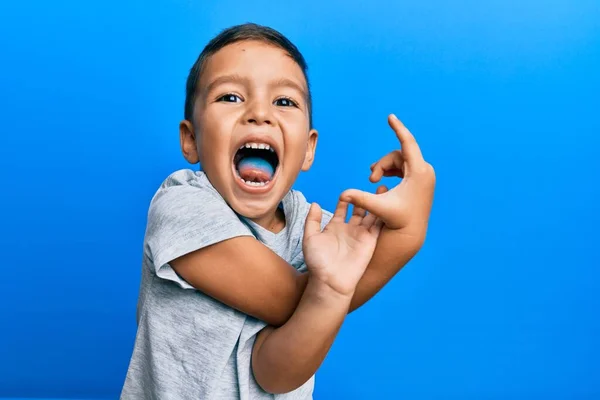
[{"x": 235, "y": 34}]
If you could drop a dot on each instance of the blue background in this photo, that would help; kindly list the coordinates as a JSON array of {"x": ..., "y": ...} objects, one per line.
[{"x": 503, "y": 96}]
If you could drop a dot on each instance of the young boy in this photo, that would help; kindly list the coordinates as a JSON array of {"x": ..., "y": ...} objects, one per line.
[{"x": 244, "y": 283}]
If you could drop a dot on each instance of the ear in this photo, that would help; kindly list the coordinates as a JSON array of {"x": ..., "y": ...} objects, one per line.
[
  {"x": 311, "y": 148},
  {"x": 187, "y": 140}
]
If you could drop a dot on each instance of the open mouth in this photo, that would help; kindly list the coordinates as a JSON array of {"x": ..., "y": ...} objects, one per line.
[{"x": 256, "y": 164}]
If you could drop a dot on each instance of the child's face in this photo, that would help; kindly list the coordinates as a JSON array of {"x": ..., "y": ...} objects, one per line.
[{"x": 251, "y": 94}]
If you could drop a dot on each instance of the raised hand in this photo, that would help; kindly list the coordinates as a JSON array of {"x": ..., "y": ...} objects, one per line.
[
  {"x": 338, "y": 256},
  {"x": 407, "y": 205}
]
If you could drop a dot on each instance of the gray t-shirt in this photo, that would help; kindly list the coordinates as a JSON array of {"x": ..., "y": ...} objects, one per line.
[{"x": 189, "y": 345}]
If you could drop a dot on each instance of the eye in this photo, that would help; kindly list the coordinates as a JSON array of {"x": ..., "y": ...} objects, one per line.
[
  {"x": 286, "y": 102},
  {"x": 230, "y": 98}
]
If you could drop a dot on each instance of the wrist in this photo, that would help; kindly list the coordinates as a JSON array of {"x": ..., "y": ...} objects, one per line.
[{"x": 319, "y": 291}]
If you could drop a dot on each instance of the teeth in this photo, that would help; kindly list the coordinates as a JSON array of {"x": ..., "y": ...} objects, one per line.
[
  {"x": 262, "y": 146},
  {"x": 250, "y": 183}
]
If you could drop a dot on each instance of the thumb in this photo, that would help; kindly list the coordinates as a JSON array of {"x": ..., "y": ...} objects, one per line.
[
  {"x": 365, "y": 200},
  {"x": 312, "y": 226}
]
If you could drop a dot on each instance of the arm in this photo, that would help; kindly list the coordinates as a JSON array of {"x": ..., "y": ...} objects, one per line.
[
  {"x": 394, "y": 250},
  {"x": 405, "y": 209},
  {"x": 250, "y": 278},
  {"x": 253, "y": 279},
  {"x": 285, "y": 358}
]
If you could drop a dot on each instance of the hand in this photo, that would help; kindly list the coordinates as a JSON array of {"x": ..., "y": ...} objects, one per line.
[
  {"x": 409, "y": 203},
  {"x": 339, "y": 255}
]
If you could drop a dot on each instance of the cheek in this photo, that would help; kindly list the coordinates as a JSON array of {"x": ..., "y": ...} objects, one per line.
[
  {"x": 298, "y": 144},
  {"x": 296, "y": 130},
  {"x": 215, "y": 133},
  {"x": 214, "y": 148}
]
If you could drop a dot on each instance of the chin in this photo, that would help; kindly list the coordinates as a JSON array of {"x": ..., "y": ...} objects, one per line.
[
  {"x": 254, "y": 208},
  {"x": 257, "y": 201}
]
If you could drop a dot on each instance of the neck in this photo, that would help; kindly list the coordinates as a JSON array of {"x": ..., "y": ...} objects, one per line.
[{"x": 273, "y": 222}]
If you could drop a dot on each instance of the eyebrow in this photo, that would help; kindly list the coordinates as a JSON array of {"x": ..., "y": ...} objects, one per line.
[
  {"x": 234, "y": 78},
  {"x": 286, "y": 82},
  {"x": 225, "y": 79}
]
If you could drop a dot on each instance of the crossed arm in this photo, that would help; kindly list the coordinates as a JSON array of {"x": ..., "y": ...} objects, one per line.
[
  {"x": 254, "y": 280},
  {"x": 303, "y": 319}
]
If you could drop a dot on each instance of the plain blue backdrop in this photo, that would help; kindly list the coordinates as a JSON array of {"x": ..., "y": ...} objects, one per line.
[{"x": 503, "y": 96}]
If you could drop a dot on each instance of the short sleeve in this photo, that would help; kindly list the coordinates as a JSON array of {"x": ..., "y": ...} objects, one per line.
[
  {"x": 325, "y": 218},
  {"x": 297, "y": 207},
  {"x": 186, "y": 215}
]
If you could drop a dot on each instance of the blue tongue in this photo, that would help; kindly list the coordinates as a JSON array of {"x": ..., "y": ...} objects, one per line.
[{"x": 255, "y": 169}]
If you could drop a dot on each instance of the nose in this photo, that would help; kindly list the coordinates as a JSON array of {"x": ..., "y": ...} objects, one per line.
[{"x": 259, "y": 113}]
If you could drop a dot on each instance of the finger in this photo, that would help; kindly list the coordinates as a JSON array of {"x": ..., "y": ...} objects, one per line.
[
  {"x": 357, "y": 216},
  {"x": 410, "y": 148},
  {"x": 312, "y": 225},
  {"x": 340, "y": 211},
  {"x": 368, "y": 220},
  {"x": 394, "y": 172},
  {"x": 368, "y": 201},
  {"x": 376, "y": 173},
  {"x": 381, "y": 189},
  {"x": 377, "y": 226},
  {"x": 391, "y": 164}
]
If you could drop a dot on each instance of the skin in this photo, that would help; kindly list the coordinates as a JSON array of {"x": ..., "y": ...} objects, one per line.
[
  {"x": 243, "y": 98},
  {"x": 252, "y": 90}
]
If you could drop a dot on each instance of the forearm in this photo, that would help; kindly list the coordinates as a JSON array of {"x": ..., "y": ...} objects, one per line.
[
  {"x": 253, "y": 279},
  {"x": 394, "y": 250},
  {"x": 284, "y": 358}
]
